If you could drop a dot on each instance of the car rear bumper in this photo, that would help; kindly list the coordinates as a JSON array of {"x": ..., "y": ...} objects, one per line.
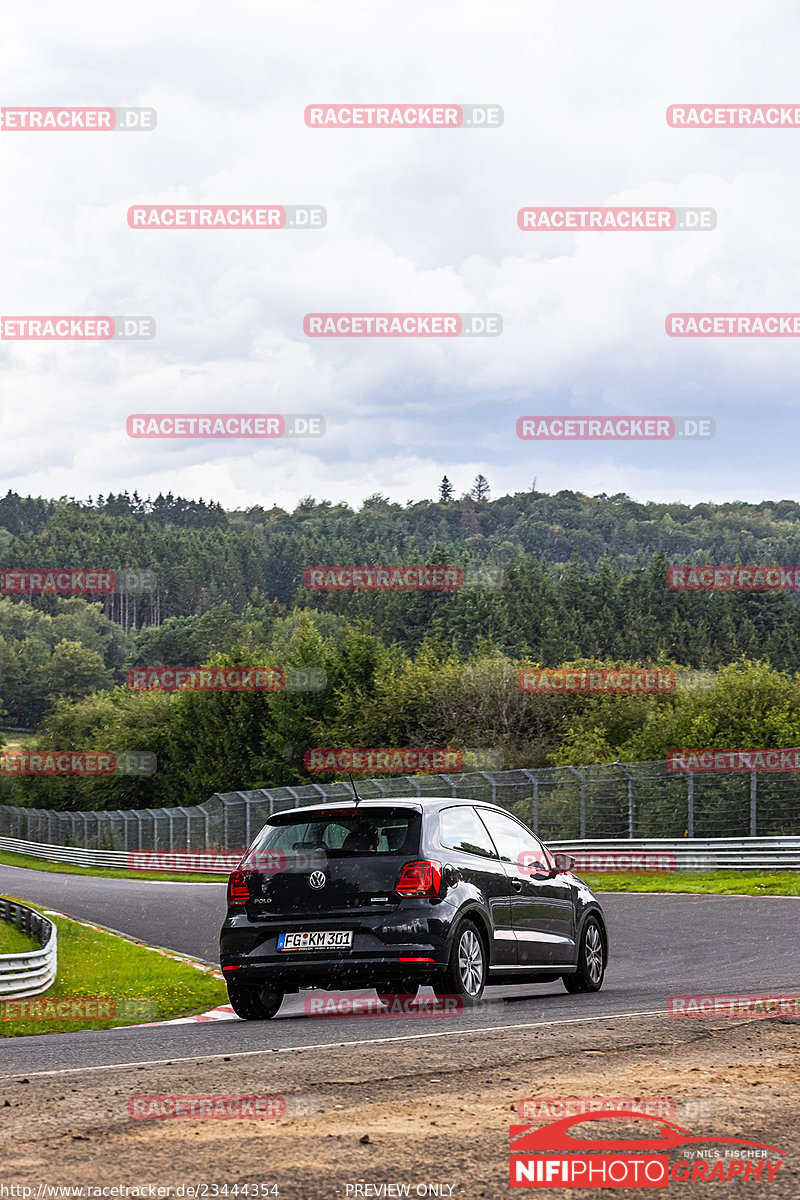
[{"x": 404, "y": 944}]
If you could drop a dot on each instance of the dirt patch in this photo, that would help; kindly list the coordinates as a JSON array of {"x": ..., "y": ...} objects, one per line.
[{"x": 433, "y": 1115}]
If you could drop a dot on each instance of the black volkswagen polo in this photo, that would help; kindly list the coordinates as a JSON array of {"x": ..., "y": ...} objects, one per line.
[{"x": 398, "y": 893}]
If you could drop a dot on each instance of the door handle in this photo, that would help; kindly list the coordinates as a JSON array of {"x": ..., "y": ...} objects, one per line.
[{"x": 516, "y": 885}]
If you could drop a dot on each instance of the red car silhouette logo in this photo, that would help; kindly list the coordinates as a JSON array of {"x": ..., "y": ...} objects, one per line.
[{"x": 556, "y": 1136}]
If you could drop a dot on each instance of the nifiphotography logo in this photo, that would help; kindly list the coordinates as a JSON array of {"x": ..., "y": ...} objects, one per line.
[{"x": 551, "y": 1155}]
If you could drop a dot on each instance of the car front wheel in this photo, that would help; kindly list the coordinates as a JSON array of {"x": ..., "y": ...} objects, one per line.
[
  {"x": 465, "y": 976},
  {"x": 253, "y": 1003},
  {"x": 591, "y": 961}
]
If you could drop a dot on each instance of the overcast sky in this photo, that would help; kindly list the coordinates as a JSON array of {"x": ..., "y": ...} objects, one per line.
[{"x": 418, "y": 220}]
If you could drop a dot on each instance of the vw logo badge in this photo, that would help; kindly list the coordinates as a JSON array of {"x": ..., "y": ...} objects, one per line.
[{"x": 317, "y": 879}]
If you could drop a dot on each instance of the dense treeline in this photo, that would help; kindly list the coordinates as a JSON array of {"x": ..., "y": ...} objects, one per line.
[
  {"x": 66, "y": 647},
  {"x": 378, "y": 696},
  {"x": 549, "y": 580},
  {"x": 202, "y": 556}
]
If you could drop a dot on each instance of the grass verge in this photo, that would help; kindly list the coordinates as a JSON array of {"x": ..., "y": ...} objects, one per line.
[
  {"x": 14, "y": 942},
  {"x": 737, "y": 883},
  {"x": 10, "y": 859},
  {"x": 108, "y": 981}
]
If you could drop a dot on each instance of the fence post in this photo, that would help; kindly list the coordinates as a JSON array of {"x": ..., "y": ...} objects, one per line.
[
  {"x": 582, "y": 778},
  {"x": 492, "y": 784},
  {"x": 690, "y": 805},
  {"x": 753, "y": 796},
  {"x": 248, "y": 836},
  {"x": 631, "y": 797},
  {"x": 535, "y": 813}
]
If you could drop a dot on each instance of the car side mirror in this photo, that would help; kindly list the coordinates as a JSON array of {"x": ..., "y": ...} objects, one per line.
[{"x": 563, "y": 862}]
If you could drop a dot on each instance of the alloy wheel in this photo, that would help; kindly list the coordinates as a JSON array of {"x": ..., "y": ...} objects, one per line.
[{"x": 470, "y": 962}]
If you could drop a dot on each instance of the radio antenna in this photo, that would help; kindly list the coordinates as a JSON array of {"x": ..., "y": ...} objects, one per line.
[{"x": 356, "y": 796}]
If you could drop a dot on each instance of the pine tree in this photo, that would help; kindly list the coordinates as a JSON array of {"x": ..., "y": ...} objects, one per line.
[
  {"x": 446, "y": 490},
  {"x": 480, "y": 488}
]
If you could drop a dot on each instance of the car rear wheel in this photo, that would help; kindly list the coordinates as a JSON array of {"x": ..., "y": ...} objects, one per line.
[
  {"x": 591, "y": 961},
  {"x": 253, "y": 1003},
  {"x": 405, "y": 994},
  {"x": 465, "y": 976}
]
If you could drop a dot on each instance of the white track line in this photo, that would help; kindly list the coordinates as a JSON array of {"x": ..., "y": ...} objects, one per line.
[{"x": 410, "y": 1037}]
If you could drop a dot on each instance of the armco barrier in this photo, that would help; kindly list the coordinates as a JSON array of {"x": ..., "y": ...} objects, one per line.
[
  {"x": 691, "y": 854},
  {"x": 602, "y": 801},
  {"x": 33, "y": 971},
  {"x": 695, "y": 854},
  {"x": 116, "y": 859}
]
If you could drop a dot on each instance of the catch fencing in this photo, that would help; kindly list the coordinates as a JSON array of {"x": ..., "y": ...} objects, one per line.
[
  {"x": 33, "y": 971},
  {"x": 611, "y": 801}
]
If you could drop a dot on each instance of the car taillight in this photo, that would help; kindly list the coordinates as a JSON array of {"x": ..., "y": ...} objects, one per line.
[
  {"x": 421, "y": 878},
  {"x": 238, "y": 891}
]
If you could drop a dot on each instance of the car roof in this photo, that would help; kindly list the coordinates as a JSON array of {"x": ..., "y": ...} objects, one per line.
[{"x": 414, "y": 802}]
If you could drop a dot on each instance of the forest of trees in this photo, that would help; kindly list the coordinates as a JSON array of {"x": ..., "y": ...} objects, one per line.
[{"x": 548, "y": 580}]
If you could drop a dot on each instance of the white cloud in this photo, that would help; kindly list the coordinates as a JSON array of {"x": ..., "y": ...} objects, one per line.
[{"x": 417, "y": 221}]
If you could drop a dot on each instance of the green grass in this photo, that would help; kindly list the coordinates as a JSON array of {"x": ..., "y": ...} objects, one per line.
[
  {"x": 15, "y": 742},
  {"x": 9, "y": 859},
  {"x": 143, "y": 984},
  {"x": 738, "y": 883},
  {"x": 14, "y": 942}
]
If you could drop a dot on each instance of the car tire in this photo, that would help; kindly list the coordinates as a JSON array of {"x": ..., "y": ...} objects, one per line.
[
  {"x": 406, "y": 994},
  {"x": 253, "y": 1003},
  {"x": 467, "y": 970},
  {"x": 591, "y": 960}
]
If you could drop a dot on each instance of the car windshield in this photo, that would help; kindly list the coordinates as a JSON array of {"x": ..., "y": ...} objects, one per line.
[{"x": 345, "y": 832}]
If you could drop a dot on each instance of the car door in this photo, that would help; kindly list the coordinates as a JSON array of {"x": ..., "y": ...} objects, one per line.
[
  {"x": 472, "y": 855},
  {"x": 542, "y": 908}
]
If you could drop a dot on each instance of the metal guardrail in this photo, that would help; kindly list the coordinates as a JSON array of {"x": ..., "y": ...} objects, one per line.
[
  {"x": 33, "y": 971},
  {"x": 197, "y": 863},
  {"x": 602, "y": 800},
  {"x": 689, "y": 854},
  {"x": 66, "y": 854}
]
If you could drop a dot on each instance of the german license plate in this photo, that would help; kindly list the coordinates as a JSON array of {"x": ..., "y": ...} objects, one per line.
[{"x": 327, "y": 939}]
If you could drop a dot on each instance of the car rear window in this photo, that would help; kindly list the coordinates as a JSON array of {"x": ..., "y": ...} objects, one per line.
[{"x": 344, "y": 833}]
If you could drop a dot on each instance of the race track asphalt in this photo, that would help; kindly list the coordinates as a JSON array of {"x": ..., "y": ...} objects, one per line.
[{"x": 660, "y": 945}]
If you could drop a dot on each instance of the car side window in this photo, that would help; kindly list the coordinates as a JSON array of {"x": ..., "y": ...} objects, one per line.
[
  {"x": 460, "y": 829},
  {"x": 515, "y": 845}
]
